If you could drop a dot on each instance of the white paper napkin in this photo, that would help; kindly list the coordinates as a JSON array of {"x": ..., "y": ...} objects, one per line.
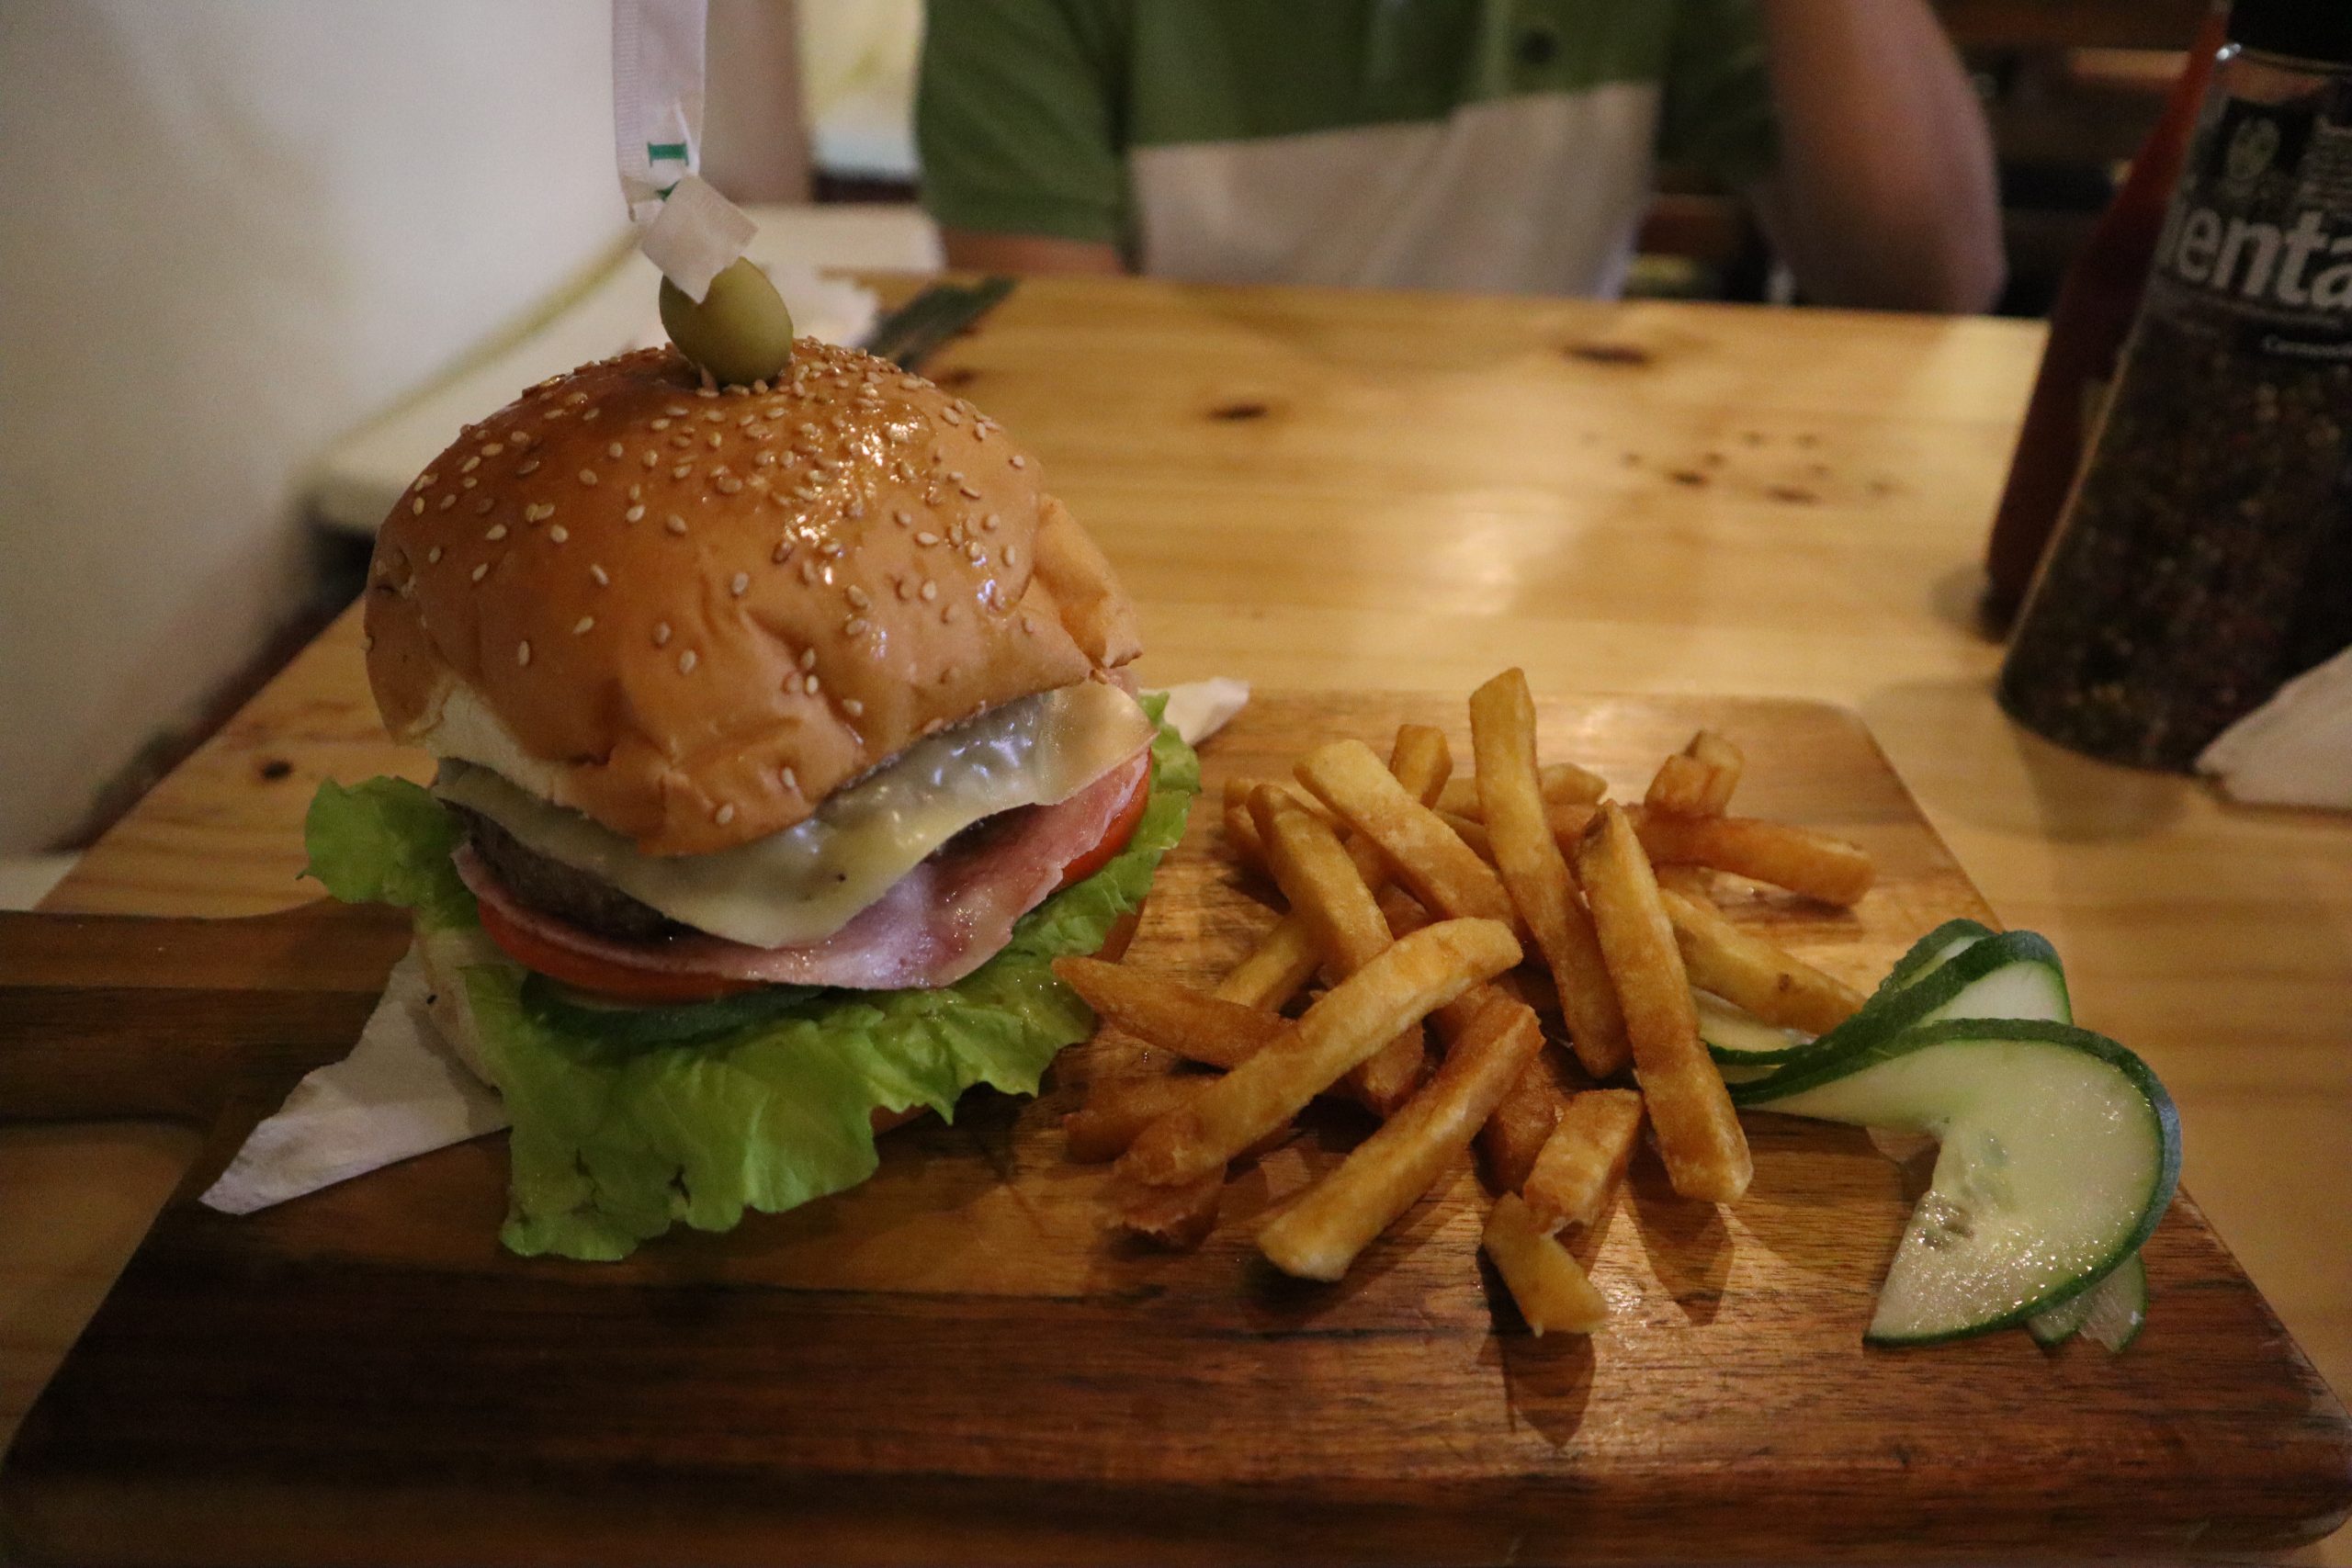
[
  {"x": 402, "y": 1092},
  {"x": 2296, "y": 749}
]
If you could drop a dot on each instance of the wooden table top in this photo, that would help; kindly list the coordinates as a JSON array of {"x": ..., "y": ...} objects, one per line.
[{"x": 1332, "y": 489}]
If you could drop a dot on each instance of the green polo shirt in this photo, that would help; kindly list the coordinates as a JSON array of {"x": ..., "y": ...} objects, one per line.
[{"x": 1502, "y": 145}]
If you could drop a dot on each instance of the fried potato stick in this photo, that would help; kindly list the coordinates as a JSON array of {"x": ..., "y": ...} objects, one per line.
[
  {"x": 1815, "y": 864},
  {"x": 1699, "y": 1134},
  {"x": 1698, "y": 779},
  {"x": 1160, "y": 1011},
  {"x": 1118, "y": 1109},
  {"x": 1178, "y": 1217},
  {"x": 1585, "y": 1157},
  {"x": 1348, "y": 1023},
  {"x": 1322, "y": 885},
  {"x": 1320, "y": 1235},
  {"x": 1564, "y": 784},
  {"x": 1287, "y": 955},
  {"x": 1749, "y": 972},
  {"x": 1502, "y": 729},
  {"x": 1423, "y": 852},
  {"x": 1543, "y": 1278}
]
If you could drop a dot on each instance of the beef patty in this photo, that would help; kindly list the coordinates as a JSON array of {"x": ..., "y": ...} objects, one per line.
[{"x": 565, "y": 892}]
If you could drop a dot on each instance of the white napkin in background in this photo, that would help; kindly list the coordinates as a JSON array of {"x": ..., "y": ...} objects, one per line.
[
  {"x": 402, "y": 1092},
  {"x": 2296, "y": 749}
]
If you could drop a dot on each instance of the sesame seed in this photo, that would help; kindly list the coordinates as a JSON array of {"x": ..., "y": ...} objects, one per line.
[
  {"x": 852, "y": 707},
  {"x": 796, "y": 683},
  {"x": 1011, "y": 556},
  {"x": 603, "y": 578},
  {"x": 727, "y": 484},
  {"x": 637, "y": 492},
  {"x": 990, "y": 521},
  {"x": 972, "y": 553},
  {"x": 633, "y": 515},
  {"x": 951, "y": 416},
  {"x": 782, "y": 553},
  {"x": 539, "y": 512},
  {"x": 587, "y": 476},
  {"x": 522, "y": 653},
  {"x": 530, "y": 468},
  {"x": 791, "y": 779},
  {"x": 483, "y": 507},
  {"x": 425, "y": 481},
  {"x": 856, "y": 509},
  {"x": 930, "y": 591},
  {"x": 813, "y": 683},
  {"x": 497, "y": 531},
  {"x": 612, "y": 449},
  {"x": 926, "y": 538},
  {"x": 552, "y": 413},
  {"x": 715, "y": 416},
  {"x": 648, "y": 459},
  {"x": 675, "y": 410},
  {"x": 906, "y": 589},
  {"x": 676, "y": 523},
  {"x": 1019, "y": 461},
  {"x": 433, "y": 555},
  {"x": 660, "y": 634},
  {"x": 447, "y": 501},
  {"x": 948, "y": 615},
  {"x": 808, "y": 658},
  {"x": 967, "y": 492},
  {"x": 682, "y": 440},
  {"x": 956, "y": 476},
  {"x": 417, "y": 507},
  {"x": 481, "y": 572},
  {"x": 682, "y": 471},
  {"x": 808, "y": 571},
  {"x": 577, "y": 399},
  {"x": 714, "y": 439},
  {"x": 592, "y": 413},
  {"x": 559, "y": 533},
  {"x": 830, "y": 550},
  {"x": 853, "y": 627},
  {"x": 725, "y": 814},
  {"x": 857, "y": 597},
  {"x": 1028, "y": 624},
  {"x": 903, "y": 518},
  {"x": 686, "y": 662},
  {"x": 661, "y": 425},
  {"x": 367, "y": 643},
  {"x": 765, "y": 459},
  {"x": 471, "y": 463},
  {"x": 582, "y": 625},
  {"x": 740, "y": 583}
]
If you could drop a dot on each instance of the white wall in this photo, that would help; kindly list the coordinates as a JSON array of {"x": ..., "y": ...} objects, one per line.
[{"x": 233, "y": 230}]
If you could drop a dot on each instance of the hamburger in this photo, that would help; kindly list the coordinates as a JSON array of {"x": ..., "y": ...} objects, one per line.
[{"x": 783, "y": 735}]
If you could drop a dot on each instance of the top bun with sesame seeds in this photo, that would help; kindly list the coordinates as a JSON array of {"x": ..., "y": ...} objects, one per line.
[{"x": 692, "y": 613}]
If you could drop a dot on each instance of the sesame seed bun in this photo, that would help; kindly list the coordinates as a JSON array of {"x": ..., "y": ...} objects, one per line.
[{"x": 695, "y": 614}]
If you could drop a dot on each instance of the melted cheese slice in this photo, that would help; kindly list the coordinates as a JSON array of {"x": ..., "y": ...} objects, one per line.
[{"x": 806, "y": 883}]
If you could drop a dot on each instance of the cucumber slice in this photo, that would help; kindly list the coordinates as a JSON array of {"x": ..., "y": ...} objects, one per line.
[
  {"x": 622, "y": 1023},
  {"x": 1735, "y": 1035},
  {"x": 1930, "y": 952},
  {"x": 2013, "y": 974},
  {"x": 2060, "y": 1152},
  {"x": 2111, "y": 1312}
]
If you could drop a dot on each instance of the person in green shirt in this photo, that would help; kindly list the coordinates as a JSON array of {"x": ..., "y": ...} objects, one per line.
[{"x": 1484, "y": 145}]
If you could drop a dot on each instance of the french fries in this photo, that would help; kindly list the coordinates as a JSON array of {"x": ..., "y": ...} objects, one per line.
[
  {"x": 1749, "y": 972},
  {"x": 1564, "y": 784},
  {"x": 1798, "y": 859},
  {"x": 1178, "y": 1217},
  {"x": 1320, "y": 1236},
  {"x": 1423, "y": 852},
  {"x": 1516, "y": 1131},
  {"x": 1315, "y": 875},
  {"x": 1502, "y": 729},
  {"x": 1698, "y": 779},
  {"x": 1585, "y": 1157},
  {"x": 1699, "y": 1134},
  {"x": 1118, "y": 1109},
  {"x": 1351, "y": 1022},
  {"x": 1544, "y": 1279},
  {"x": 1288, "y": 956},
  {"x": 1157, "y": 1011}
]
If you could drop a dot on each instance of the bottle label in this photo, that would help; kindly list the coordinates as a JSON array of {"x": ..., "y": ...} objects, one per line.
[{"x": 2259, "y": 235}]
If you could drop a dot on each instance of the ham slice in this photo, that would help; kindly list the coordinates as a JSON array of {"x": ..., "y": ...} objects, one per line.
[{"x": 935, "y": 925}]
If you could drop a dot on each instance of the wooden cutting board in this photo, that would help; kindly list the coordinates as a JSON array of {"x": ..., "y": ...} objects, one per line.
[{"x": 953, "y": 1363}]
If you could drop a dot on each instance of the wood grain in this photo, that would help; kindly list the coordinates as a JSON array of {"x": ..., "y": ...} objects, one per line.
[
  {"x": 1317, "y": 488},
  {"x": 953, "y": 1361}
]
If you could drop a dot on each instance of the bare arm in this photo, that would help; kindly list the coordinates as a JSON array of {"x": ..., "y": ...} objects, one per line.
[
  {"x": 1885, "y": 195},
  {"x": 973, "y": 250}
]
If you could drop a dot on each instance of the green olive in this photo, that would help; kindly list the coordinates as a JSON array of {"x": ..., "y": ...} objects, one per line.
[{"x": 740, "y": 333}]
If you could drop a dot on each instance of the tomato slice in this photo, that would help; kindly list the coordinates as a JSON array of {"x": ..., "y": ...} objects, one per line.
[
  {"x": 1114, "y": 838},
  {"x": 626, "y": 982},
  {"x": 621, "y": 981}
]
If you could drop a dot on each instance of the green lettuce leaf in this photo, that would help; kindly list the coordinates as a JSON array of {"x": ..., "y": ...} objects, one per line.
[{"x": 613, "y": 1144}]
